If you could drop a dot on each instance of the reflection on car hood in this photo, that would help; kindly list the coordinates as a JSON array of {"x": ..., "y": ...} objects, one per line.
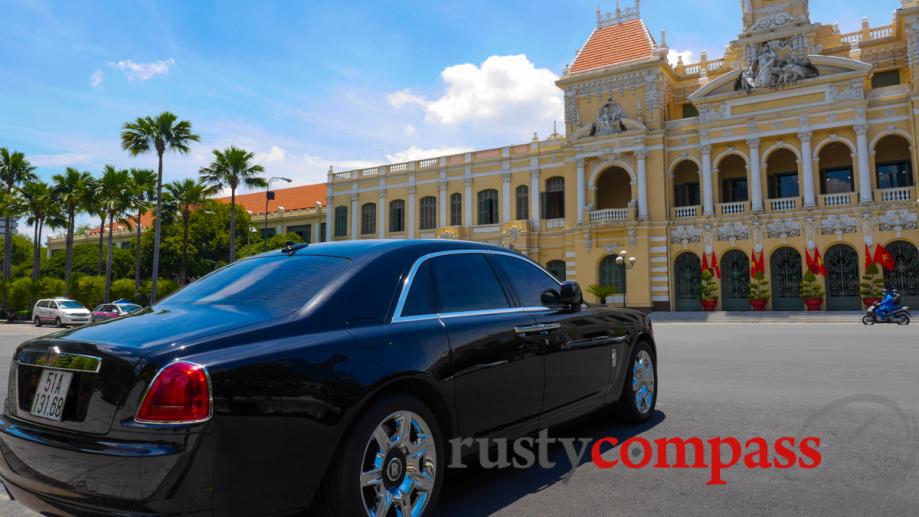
[{"x": 153, "y": 328}]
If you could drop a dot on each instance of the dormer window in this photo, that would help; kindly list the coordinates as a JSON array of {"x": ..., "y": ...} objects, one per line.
[{"x": 885, "y": 78}]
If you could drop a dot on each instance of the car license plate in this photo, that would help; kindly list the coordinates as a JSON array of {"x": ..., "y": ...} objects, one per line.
[{"x": 48, "y": 401}]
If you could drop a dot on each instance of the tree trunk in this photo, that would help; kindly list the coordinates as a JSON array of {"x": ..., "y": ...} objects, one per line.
[
  {"x": 68, "y": 263},
  {"x": 8, "y": 245},
  {"x": 108, "y": 262},
  {"x": 156, "y": 230},
  {"x": 183, "y": 274},
  {"x": 101, "y": 241},
  {"x": 36, "y": 249},
  {"x": 140, "y": 213},
  {"x": 232, "y": 225}
]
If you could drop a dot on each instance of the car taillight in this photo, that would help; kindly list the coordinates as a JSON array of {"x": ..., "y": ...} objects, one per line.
[{"x": 179, "y": 393}]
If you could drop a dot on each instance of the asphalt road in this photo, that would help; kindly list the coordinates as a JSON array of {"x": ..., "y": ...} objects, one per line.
[{"x": 857, "y": 388}]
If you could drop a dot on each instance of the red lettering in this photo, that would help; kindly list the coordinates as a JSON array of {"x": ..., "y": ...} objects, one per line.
[
  {"x": 597, "y": 457},
  {"x": 626, "y": 456},
  {"x": 812, "y": 453},
  {"x": 784, "y": 448},
  {"x": 681, "y": 446},
  {"x": 762, "y": 452},
  {"x": 717, "y": 463}
]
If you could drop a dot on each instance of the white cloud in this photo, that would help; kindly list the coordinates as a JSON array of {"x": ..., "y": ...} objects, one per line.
[
  {"x": 274, "y": 155},
  {"x": 95, "y": 80},
  {"x": 405, "y": 98},
  {"x": 673, "y": 56},
  {"x": 59, "y": 160},
  {"x": 415, "y": 153},
  {"x": 409, "y": 130},
  {"x": 143, "y": 71}
]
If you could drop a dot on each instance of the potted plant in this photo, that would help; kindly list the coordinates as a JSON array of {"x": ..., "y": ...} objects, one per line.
[
  {"x": 811, "y": 292},
  {"x": 759, "y": 292},
  {"x": 602, "y": 292},
  {"x": 871, "y": 285},
  {"x": 708, "y": 291}
]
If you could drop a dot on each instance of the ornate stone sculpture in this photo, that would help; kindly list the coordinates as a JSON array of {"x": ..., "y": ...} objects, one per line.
[
  {"x": 838, "y": 225},
  {"x": 783, "y": 229},
  {"x": 768, "y": 70},
  {"x": 897, "y": 221},
  {"x": 685, "y": 234},
  {"x": 609, "y": 120},
  {"x": 733, "y": 232}
]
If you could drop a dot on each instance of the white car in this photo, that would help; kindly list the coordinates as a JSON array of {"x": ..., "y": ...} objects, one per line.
[{"x": 61, "y": 312}]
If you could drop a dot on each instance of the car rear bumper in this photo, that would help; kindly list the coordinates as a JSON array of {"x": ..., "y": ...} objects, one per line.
[{"x": 68, "y": 474}]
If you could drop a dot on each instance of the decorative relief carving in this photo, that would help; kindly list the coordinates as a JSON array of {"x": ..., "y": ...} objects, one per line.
[
  {"x": 733, "y": 232},
  {"x": 774, "y": 63},
  {"x": 633, "y": 237},
  {"x": 838, "y": 225},
  {"x": 572, "y": 114},
  {"x": 685, "y": 234},
  {"x": 897, "y": 221},
  {"x": 783, "y": 229}
]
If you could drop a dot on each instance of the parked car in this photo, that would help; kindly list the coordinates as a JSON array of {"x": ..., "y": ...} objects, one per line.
[
  {"x": 61, "y": 312},
  {"x": 328, "y": 376},
  {"x": 110, "y": 311}
]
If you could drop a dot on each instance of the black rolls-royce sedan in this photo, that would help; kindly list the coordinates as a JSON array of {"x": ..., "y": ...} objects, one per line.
[{"x": 329, "y": 376}]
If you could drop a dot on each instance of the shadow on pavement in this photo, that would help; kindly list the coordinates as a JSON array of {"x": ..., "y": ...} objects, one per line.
[{"x": 479, "y": 491}]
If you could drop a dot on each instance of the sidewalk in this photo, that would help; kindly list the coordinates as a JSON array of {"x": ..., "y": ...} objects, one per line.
[{"x": 841, "y": 317}]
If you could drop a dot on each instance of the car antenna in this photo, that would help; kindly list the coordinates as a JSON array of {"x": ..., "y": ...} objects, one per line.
[{"x": 291, "y": 247}]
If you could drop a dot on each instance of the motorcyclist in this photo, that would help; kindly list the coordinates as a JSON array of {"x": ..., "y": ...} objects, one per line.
[{"x": 887, "y": 305}]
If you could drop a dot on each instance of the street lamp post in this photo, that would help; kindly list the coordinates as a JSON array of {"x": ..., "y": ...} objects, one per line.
[
  {"x": 627, "y": 264},
  {"x": 269, "y": 195}
]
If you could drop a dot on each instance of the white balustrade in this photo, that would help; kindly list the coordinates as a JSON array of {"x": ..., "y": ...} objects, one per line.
[
  {"x": 895, "y": 194},
  {"x": 783, "y": 204},
  {"x": 737, "y": 207},
  {"x": 842, "y": 199},
  {"x": 610, "y": 214},
  {"x": 552, "y": 224},
  {"x": 686, "y": 212},
  {"x": 430, "y": 162}
]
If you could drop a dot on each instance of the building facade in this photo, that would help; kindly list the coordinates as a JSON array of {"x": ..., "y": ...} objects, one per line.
[{"x": 798, "y": 139}]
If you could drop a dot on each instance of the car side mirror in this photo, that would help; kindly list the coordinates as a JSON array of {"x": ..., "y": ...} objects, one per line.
[{"x": 570, "y": 294}]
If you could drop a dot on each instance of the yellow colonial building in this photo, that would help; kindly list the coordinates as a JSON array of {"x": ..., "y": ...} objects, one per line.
[{"x": 798, "y": 138}]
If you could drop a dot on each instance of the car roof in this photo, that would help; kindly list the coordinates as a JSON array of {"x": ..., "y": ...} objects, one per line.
[{"x": 359, "y": 249}]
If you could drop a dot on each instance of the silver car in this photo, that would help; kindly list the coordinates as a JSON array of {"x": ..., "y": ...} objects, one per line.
[{"x": 60, "y": 312}]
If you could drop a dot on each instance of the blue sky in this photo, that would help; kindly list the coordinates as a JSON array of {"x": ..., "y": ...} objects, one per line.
[{"x": 308, "y": 84}]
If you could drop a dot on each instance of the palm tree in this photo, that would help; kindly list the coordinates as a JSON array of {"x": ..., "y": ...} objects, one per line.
[
  {"x": 70, "y": 190},
  {"x": 231, "y": 169},
  {"x": 115, "y": 196},
  {"x": 94, "y": 203},
  {"x": 143, "y": 182},
  {"x": 14, "y": 171},
  {"x": 183, "y": 197},
  {"x": 161, "y": 133},
  {"x": 43, "y": 208}
]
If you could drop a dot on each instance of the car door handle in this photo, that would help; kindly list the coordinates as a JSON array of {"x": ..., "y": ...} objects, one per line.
[{"x": 537, "y": 328}]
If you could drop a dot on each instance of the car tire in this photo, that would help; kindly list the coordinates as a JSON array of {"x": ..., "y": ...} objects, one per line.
[
  {"x": 37, "y": 321},
  {"x": 639, "y": 393},
  {"x": 57, "y": 323},
  {"x": 344, "y": 491}
]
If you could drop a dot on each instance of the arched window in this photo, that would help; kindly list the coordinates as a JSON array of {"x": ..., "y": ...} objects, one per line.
[
  {"x": 894, "y": 165},
  {"x": 523, "y": 203},
  {"x": 341, "y": 221},
  {"x": 553, "y": 199},
  {"x": 397, "y": 215},
  {"x": 368, "y": 218},
  {"x": 612, "y": 274},
  {"x": 456, "y": 209},
  {"x": 428, "y": 219},
  {"x": 488, "y": 206},
  {"x": 557, "y": 268}
]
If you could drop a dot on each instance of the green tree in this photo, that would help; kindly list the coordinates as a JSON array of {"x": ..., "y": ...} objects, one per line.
[
  {"x": 42, "y": 208},
  {"x": 83, "y": 262},
  {"x": 159, "y": 134},
  {"x": 232, "y": 168},
  {"x": 124, "y": 288},
  {"x": 70, "y": 191},
  {"x": 276, "y": 242},
  {"x": 15, "y": 170},
  {"x": 143, "y": 182},
  {"x": 94, "y": 203},
  {"x": 89, "y": 290},
  {"x": 116, "y": 196},
  {"x": 183, "y": 197}
]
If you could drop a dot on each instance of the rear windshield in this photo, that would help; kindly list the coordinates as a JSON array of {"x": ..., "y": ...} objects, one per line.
[
  {"x": 127, "y": 307},
  {"x": 272, "y": 285},
  {"x": 69, "y": 305}
]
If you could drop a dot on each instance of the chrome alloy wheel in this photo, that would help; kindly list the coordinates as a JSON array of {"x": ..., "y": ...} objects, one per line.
[
  {"x": 643, "y": 381},
  {"x": 399, "y": 466}
]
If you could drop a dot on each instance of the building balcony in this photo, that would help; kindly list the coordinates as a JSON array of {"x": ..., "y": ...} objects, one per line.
[
  {"x": 783, "y": 204},
  {"x": 735, "y": 208},
  {"x": 612, "y": 215},
  {"x": 888, "y": 195},
  {"x": 839, "y": 199},
  {"x": 687, "y": 212}
]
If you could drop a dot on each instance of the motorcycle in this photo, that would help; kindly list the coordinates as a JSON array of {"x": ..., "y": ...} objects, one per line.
[{"x": 899, "y": 315}]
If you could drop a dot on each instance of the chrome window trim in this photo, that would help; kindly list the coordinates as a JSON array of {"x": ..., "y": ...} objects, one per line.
[
  {"x": 407, "y": 285},
  {"x": 29, "y": 356}
]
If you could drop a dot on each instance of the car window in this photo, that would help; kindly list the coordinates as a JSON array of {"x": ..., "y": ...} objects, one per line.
[
  {"x": 100, "y": 308},
  {"x": 527, "y": 280},
  {"x": 70, "y": 304},
  {"x": 420, "y": 299},
  {"x": 130, "y": 307},
  {"x": 43, "y": 304},
  {"x": 466, "y": 282},
  {"x": 273, "y": 285},
  {"x": 52, "y": 305}
]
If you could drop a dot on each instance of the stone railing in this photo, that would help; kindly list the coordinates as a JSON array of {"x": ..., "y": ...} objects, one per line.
[
  {"x": 895, "y": 194},
  {"x": 867, "y": 34},
  {"x": 554, "y": 224},
  {"x": 611, "y": 215},
  {"x": 842, "y": 199},
  {"x": 686, "y": 212},
  {"x": 783, "y": 204},
  {"x": 737, "y": 207}
]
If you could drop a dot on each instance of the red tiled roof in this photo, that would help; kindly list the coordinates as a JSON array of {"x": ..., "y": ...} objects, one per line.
[
  {"x": 293, "y": 198},
  {"x": 613, "y": 45}
]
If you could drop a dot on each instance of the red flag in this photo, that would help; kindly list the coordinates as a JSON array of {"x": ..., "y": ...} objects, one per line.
[
  {"x": 715, "y": 265},
  {"x": 818, "y": 262},
  {"x": 758, "y": 264},
  {"x": 884, "y": 258},
  {"x": 705, "y": 261},
  {"x": 868, "y": 260},
  {"x": 811, "y": 265}
]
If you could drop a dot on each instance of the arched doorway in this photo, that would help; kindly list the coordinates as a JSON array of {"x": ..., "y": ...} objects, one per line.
[
  {"x": 732, "y": 173},
  {"x": 612, "y": 274},
  {"x": 842, "y": 280},
  {"x": 785, "y": 268},
  {"x": 836, "y": 176},
  {"x": 686, "y": 193},
  {"x": 894, "y": 163},
  {"x": 905, "y": 274},
  {"x": 614, "y": 189},
  {"x": 735, "y": 281},
  {"x": 687, "y": 270},
  {"x": 782, "y": 179}
]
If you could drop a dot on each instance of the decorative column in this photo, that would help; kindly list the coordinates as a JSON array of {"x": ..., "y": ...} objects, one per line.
[
  {"x": 864, "y": 169},
  {"x": 708, "y": 201},
  {"x": 467, "y": 198},
  {"x": 411, "y": 209},
  {"x": 756, "y": 186},
  {"x": 807, "y": 169},
  {"x": 642, "y": 184},
  {"x": 442, "y": 190},
  {"x": 355, "y": 216},
  {"x": 505, "y": 197},
  {"x": 534, "y": 196},
  {"x": 381, "y": 210},
  {"x": 314, "y": 233},
  {"x": 329, "y": 198},
  {"x": 581, "y": 194}
]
